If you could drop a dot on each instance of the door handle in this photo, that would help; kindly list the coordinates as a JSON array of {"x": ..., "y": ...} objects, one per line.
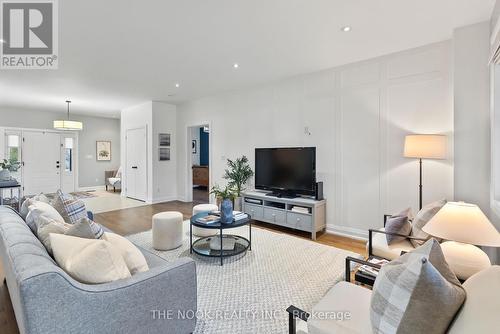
[{"x": 134, "y": 167}]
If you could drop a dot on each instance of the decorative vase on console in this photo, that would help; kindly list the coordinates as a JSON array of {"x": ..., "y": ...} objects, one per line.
[
  {"x": 5, "y": 175},
  {"x": 226, "y": 211},
  {"x": 8, "y": 166}
]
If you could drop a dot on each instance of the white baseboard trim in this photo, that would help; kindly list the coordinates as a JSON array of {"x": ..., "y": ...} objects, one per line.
[
  {"x": 92, "y": 188},
  {"x": 164, "y": 199},
  {"x": 349, "y": 232}
]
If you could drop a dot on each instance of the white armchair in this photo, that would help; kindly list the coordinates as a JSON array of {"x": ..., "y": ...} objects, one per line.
[
  {"x": 479, "y": 314},
  {"x": 114, "y": 179}
]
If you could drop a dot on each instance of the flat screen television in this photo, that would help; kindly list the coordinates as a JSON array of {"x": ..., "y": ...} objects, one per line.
[{"x": 287, "y": 172}]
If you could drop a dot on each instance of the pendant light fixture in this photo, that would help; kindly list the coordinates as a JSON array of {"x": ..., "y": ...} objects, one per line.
[{"x": 68, "y": 125}]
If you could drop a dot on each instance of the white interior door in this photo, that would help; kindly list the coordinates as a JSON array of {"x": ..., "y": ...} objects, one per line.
[
  {"x": 136, "y": 169},
  {"x": 42, "y": 162}
]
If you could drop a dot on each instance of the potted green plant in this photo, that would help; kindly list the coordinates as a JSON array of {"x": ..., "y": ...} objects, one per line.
[
  {"x": 238, "y": 174},
  {"x": 8, "y": 166},
  {"x": 226, "y": 195}
]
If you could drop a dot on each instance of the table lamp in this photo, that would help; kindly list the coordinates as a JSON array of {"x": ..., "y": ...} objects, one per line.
[
  {"x": 465, "y": 226},
  {"x": 424, "y": 147}
]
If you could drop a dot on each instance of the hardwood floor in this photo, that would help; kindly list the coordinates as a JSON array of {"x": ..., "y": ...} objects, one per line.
[
  {"x": 138, "y": 219},
  {"x": 200, "y": 195}
]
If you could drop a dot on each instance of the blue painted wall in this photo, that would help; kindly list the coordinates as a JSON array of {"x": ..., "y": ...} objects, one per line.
[{"x": 203, "y": 148}]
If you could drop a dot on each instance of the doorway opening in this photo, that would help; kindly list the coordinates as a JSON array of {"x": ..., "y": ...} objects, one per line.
[{"x": 199, "y": 168}]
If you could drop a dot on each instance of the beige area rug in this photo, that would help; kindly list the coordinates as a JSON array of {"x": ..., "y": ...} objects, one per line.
[
  {"x": 76, "y": 194},
  {"x": 104, "y": 201},
  {"x": 253, "y": 290}
]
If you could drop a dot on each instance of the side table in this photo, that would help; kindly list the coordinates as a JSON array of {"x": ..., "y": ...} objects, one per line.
[
  {"x": 10, "y": 199},
  {"x": 359, "y": 275}
]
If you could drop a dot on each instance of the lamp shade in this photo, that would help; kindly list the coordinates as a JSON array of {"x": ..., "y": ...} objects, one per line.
[
  {"x": 425, "y": 146},
  {"x": 465, "y": 223},
  {"x": 68, "y": 125}
]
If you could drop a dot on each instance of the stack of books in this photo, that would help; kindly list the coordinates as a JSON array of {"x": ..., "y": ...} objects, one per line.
[
  {"x": 214, "y": 217},
  {"x": 370, "y": 270},
  {"x": 210, "y": 219},
  {"x": 300, "y": 209},
  {"x": 239, "y": 215}
]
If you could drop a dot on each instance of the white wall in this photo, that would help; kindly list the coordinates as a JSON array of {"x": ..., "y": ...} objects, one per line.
[
  {"x": 156, "y": 117},
  {"x": 358, "y": 116},
  {"x": 472, "y": 114},
  {"x": 165, "y": 172}
]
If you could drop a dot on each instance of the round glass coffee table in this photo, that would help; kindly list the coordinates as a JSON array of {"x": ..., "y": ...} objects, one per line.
[{"x": 202, "y": 246}]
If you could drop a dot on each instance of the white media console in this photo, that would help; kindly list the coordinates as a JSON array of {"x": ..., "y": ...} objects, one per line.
[{"x": 279, "y": 211}]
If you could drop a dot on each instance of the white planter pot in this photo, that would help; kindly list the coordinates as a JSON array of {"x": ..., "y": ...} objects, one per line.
[
  {"x": 5, "y": 175},
  {"x": 238, "y": 201}
]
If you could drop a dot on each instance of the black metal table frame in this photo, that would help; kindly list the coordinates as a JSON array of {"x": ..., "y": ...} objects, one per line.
[{"x": 221, "y": 227}]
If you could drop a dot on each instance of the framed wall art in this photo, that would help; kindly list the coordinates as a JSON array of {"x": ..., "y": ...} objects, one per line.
[{"x": 103, "y": 150}]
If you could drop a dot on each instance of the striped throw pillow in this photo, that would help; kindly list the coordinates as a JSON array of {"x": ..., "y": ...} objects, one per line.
[
  {"x": 416, "y": 293},
  {"x": 73, "y": 210}
]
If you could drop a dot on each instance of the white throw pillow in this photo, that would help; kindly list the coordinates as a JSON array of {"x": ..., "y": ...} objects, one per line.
[
  {"x": 28, "y": 201},
  {"x": 90, "y": 261},
  {"x": 26, "y": 212},
  {"x": 37, "y": 209},
  {"x": 45, "y": 227},
  {"x": 133, "y": 257}
]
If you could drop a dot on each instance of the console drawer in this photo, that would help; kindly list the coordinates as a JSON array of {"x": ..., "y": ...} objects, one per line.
[
  {"x": 302, "y": 222},
  {"x": 255, "y": 211},
  {"x": 275, "y": 216}
]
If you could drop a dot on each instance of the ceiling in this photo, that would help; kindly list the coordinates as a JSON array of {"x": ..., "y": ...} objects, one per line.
[{"x": 117, "y": 53}]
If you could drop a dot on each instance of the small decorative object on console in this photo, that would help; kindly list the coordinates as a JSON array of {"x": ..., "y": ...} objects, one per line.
[
  {"x": 7, "y": 166},
  {"x": 226, "y": 209},
  {"x": 227, "y": 243}
]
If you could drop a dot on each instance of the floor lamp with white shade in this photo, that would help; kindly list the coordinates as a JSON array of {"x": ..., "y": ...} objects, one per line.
[
  {"x": 424, "y": 147},
  {"x": 465, "y": 227}
]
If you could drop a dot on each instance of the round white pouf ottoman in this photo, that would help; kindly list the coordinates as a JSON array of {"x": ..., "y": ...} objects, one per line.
[
  {"x": 167, "y": 230},
  {"x": 204, "y": 232}
]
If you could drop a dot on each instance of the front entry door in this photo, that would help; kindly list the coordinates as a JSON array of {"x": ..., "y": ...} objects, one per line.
[{"x": 41, "y": 162}]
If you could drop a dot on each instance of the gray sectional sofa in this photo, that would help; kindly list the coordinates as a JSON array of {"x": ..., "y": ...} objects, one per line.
[{"x": 47, "y": 300}]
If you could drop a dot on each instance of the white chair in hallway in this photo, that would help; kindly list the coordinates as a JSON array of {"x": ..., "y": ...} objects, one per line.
[{"x": 114, "y": 179}]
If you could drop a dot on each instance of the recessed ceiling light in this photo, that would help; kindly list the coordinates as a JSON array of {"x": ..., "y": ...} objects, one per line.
[
  {"x": 177, "y": 85},
  {"x": 346, "y": 29},
  {"x": 235, "y": 65}
]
